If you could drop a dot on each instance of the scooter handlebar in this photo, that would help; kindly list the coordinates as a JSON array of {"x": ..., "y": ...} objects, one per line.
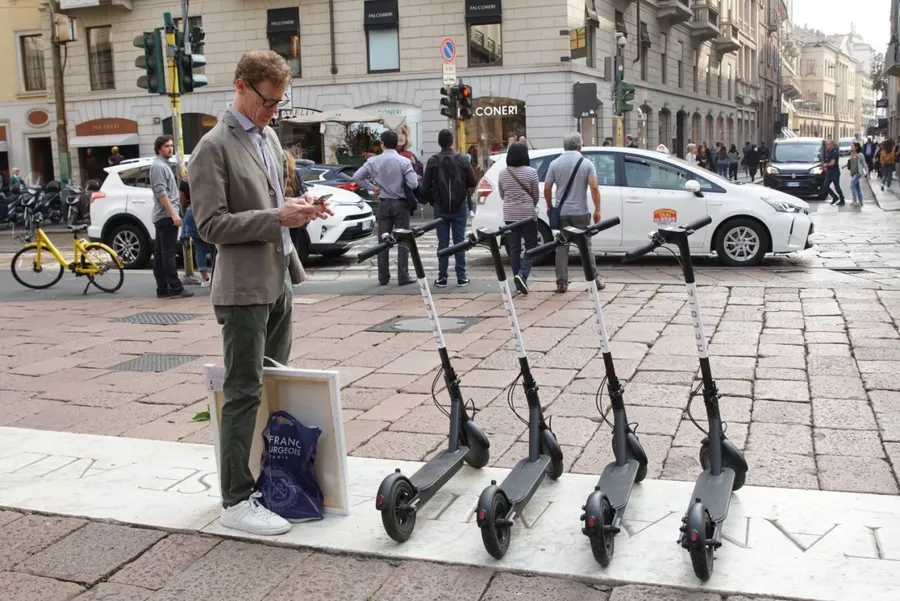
[
  {"x": 374, "y": 250},
  {"x": 700, "y": 223},
  {"x": 465, "y": 245},
  {"x": 643, "y": 250},
  {"x": 504, "y": 229},
  {"x": 427, "y": 227},
  {"x": 543, "y": 249},
  {"x": 603, "y": 225}
]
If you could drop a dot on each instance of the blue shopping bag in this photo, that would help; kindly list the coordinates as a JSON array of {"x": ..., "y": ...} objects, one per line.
[{"x": 287, "y": 480}]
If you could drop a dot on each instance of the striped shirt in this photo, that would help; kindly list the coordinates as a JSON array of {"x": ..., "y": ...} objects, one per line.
[{"x": 517, "y": 203}]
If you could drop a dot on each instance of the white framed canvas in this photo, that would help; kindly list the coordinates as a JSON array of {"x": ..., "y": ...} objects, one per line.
[{"x": 313, "y": 397}]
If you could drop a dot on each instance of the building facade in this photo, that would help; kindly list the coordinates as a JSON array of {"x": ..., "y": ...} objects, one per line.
[
  {"x": 25, "y": 116},
  {"x": 696, "y": 79},
  {"x": 773, "y": 15},
  {"x": 892, "y": 73}
]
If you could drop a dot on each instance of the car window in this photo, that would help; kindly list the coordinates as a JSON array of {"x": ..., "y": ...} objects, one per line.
[
  {"x": 605, "y": 164},
  {"x": 798, "y": 152},
  {"x": 310, "y": 175},
  {"x": 644, "y": 173},
  {"x": 349, "y": 170},
  {"x": 541, "y": 164},
  {"x": 138, "y": 177}
]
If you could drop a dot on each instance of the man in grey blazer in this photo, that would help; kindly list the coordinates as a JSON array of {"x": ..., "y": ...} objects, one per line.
[{"x": 237, "y": 183}]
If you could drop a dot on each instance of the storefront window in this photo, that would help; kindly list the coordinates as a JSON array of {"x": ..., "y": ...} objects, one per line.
[
  {"x": 496, "y": 122},
  {"x": 283, "y": 31},
  {"x": 485, "y": 45}
]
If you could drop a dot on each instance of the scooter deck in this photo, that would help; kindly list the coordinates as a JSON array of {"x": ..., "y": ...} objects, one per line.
[
  {"x": 524, "y": 479},
  {"x": 714, "y": 492},
  {"x": 441, "y": 468},
  {"x": 617, "y": 481}
]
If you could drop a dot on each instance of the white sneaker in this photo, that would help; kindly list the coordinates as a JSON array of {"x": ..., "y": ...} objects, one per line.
[
  {"x": 252, "y": 517},
  {"x": 205, "y": 283}
]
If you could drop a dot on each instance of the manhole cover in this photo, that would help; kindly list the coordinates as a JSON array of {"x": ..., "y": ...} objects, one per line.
[
  {"x": 158, "y": 319},
  {"x": 155, "y": 362},
  {"x": 422, "y": 324}
]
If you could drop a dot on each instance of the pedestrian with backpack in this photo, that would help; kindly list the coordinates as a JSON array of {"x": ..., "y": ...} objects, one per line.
[{"x": 446, "y": 185}]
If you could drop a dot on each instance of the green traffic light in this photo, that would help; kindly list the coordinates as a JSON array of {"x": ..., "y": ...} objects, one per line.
[{"x": 152, "y": 62}]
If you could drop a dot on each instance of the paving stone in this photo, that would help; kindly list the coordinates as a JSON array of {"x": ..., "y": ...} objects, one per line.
[
  {"x": 394, "y": 407},
  {"x": 30, "y": 534},
  {"x": 777, "y": 373},
  {"x": 675, "y": 345},
  {"x": 828, "y": 350},
  {"x": 818, "y": 365},
  {"x": 736, "y": 368},
  {"x": 674, "y": 378},
  {"x": 233, "y": 571},
  {"x": 782, "y": 412},
  {"x": 781, "y": 470},
  {"x": 660, "y": 395},
  {"x": 165, "y": 560},
  {"x": 877, "y": 367},
  {"x": 400, "y": 445},
  {"x": 499, "y": 419},
  {"x": 25, "y": 587},
  {"x": 90, "y": 553},
  {"x": 782, "y": 362},
  {"x": 837, "y": 387},
  {"x": 734, "y": 409},
  {"x": 887, "y": 412},
  {"x": 58, "y": 417},
  {"x": 689, "y": 436},
  {"x": 7, "y": 517},
  {"x": 863, "y": 353},
  {"x": 434, "y": 582},
  {"x": 515, "y": 587},
  {"x": 825, "y": 338},
  {"x": 359, "y": 431},
  {"x": 640, "y": 592},
  {"x": 781, "y": 350},
  {"x": 890, "y": 381},
  {"x": 848, "y": 414},
  {"x": 113, "y": 422},
  {"x": 563, "y": 358},
  {"x": 639, "y": 332},
  {"x": 599, "y": 453},
  {"x": 852, "y": 443},
  {"x": 491, "y": 378},
  {"x": 856, "y": 474},
  {"x": 106, "y": 591},
  {"x": 363, "y": 398},
  {"x": 893, "y": 453},
  {"x": 323, "y": 577},
  {"x": 389, "y": 381},
  {"x": 782, "y": 390},
  {"x": 551, "y": 377},
  {"x": 573, "y": 431},
  {"x": 780, "y": 438}
]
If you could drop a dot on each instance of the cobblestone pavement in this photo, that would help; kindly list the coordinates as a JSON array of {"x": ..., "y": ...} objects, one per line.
[{"x": 45, "y": 558}]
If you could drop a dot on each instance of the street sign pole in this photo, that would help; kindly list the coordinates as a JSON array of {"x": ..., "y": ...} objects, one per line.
[{"x": 448, "y": 55}]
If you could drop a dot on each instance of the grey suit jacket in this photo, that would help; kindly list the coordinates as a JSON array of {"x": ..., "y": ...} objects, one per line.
[{"x": 236, "y": 209}]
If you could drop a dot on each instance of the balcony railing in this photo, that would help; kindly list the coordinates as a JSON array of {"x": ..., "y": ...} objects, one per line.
[
  {"x": 892, "y": 59},
  {"x": 705, "y": 21},
  {"x": 728, "y": 39},
  {"x": 673, "y": 11}
]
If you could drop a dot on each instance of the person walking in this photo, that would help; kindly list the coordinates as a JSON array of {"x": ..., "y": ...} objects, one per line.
[
  {"x": 734, "y": 159},
  {"x": 166, "y": 217},
  {"x": 237, "y": 183},
  {"x": 189, "y": 232},
  {"x": 888, "y": 157},
  {"x": 388, "y": 175},
  {"x": 857, "y": 166},
  {"x": 833, "y": 173},
  {"x": 572, "y": 175},
  {"x": 869, "y": 152},
  {"x": 751, "y": 160},
  {"x": 721, "y": 160},
  {"x": 519, "y": 190},
  {"x": 446, "y": 185}
]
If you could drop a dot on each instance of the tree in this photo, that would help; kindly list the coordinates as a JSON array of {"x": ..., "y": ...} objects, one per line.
[{"x": 879, "y": 83}]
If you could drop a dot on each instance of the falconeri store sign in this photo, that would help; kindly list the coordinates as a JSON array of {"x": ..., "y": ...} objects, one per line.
[
  {"x": 495, "y": 122},
  {"x": 507, "y": 110}
]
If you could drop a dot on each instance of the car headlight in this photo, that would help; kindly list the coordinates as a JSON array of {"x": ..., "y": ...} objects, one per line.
[
  {"x": 785, "y": 207},
  {"x": 816, "y": 170},
  {"x": 772, "y": 170}
]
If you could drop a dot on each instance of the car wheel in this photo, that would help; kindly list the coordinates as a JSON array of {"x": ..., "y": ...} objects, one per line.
[
  {"x": 131, "y": 244},
  {"x": 300, "y": 238},
  {"x": 741, "y": 243}
]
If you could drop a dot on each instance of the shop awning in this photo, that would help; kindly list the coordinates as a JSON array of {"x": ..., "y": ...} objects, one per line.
[
  {"x": 98, "y": 141},
  {"x": 347, "y": 117}
]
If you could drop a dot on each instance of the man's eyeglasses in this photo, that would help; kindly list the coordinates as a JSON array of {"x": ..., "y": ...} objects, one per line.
[{"x": 269, "y": 102}]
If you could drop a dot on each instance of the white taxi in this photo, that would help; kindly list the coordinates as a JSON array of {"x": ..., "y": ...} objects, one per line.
[
  {"x": 649, "y": 189},
  {"x": 121, "y": 217}
]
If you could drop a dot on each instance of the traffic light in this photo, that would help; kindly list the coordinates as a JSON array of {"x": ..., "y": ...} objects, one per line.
[
  {"x": 449, "y": 100},
  {"x": 153, "y": 62},
  {"x": 624, "y": 93},
  {"x": 187, "y": 79},
  {"x": 465, "y": 102}
]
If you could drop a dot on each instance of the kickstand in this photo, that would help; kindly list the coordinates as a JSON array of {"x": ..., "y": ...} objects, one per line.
[{"x": 88, "y": 285}]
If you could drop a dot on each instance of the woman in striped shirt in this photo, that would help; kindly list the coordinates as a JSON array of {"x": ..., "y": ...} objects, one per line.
[{"x": 519, "y": 191}]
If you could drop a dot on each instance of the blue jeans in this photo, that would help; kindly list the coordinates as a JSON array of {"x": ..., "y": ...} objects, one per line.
[
  {"x": 856, "y": 189},
  {"x": 833, "y": 177},
  {"x": 200, "y": 250},
  {"x": 722, "y": 168},
  {"x": 520, "y": 264},
  {"x": 457, "y": 225}
]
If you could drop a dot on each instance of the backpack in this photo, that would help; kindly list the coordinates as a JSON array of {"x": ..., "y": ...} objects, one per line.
[{"x": 450, "y": 185}]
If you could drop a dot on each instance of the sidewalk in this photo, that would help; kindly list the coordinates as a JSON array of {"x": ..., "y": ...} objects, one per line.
[
  {"x": 46, "y": 558},
  {"x": 889, "y": 199}
]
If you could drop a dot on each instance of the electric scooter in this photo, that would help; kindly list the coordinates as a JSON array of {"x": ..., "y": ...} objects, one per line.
[
  {"x": 724, "y": 466},
  {"x": 605, "y": 507},
  {"x": 500, "y": 505},
  {"x": 400, "y": 497}
]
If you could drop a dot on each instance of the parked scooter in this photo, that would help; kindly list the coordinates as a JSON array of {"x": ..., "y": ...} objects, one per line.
[
  {"x": 605, "y": 507},
  {"x": 724, "y": 466},
  {"x": 400, "y": 497}
]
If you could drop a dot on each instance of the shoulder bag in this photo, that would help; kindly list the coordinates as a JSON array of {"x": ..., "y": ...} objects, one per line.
[{"x": 554, "y": 212}]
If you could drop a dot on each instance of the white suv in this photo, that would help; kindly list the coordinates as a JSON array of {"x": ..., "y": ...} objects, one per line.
[
  {"x": 121, "y": 210},
  {"x": 647, "y": 189}
]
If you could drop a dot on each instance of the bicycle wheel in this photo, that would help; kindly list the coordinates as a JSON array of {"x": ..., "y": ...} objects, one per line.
[
  {"x": 24, "y": 264},
  {"x": 111, "y": 276}
]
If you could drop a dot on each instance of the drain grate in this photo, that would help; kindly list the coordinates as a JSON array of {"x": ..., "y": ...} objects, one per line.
[
  {"x": 158, "y": 319},
  {"x": 155, "y": 362},
  {"x": 848, "y": 269},
  {"x": 422, "y": 324}
]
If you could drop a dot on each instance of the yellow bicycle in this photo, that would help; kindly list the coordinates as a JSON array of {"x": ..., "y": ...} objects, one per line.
[{"x": 96, "y": 261}]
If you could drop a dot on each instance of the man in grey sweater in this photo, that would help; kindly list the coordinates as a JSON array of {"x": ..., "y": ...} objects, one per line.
[{"x": 166, "y": 218}]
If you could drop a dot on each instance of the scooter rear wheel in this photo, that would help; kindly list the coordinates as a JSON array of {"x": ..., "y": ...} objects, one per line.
[
  {"x": 603, "y": 541},
  {"x": 479, "y": 448},
  {"x": 740, "y": 475},
  {"x": 549, "y": 446},
  {"x": 701, "y": 552},
  {"x": 495, "y": 532},
  {"x": 398, "y": 521}
]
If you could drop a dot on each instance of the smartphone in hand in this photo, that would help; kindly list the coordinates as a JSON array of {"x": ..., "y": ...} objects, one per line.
[{"x": 322, "y": 199}]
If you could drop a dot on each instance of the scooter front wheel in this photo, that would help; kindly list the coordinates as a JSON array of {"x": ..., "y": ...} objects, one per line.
[
  {"x": 603, "y": 541},
  {"x": 728, "y": 460},
  {"x": 495, "y": 532},
  {"x": 398, "y": 520},
  {"x": 699, "y": 532},
  {"x": 479, "y": 447}
]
